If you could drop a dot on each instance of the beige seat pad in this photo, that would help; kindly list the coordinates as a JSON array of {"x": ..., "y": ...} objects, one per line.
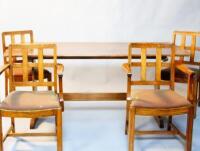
[
  {"x": 158, "y": 99},
  {"x": 26, "y": 100}
]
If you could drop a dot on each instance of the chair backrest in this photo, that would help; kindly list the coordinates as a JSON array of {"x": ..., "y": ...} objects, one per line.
[
  {"x": 38, "y": 54},
  {"x": 16, "y": 37},
  {"x": 187, "y": 40},
  {"x": 151, "y": 49}
]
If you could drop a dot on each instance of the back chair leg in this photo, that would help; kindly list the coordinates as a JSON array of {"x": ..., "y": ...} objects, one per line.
[
  {"x": 189, "y": 131},
  {"x": 60, "y": 77},
  {"x": 131, "y": 130},
  {"x": 169, "y": 123},
  {"x": 127, "y": 116},
  {"x": 59, "y": 130},
  {"x": 49, "y": 79},
  {"x": 1, "y": 134},
  {"x": 6, "y": 84}
]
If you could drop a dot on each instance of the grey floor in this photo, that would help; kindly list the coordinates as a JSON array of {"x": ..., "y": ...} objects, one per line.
[{"x": 99, "y": 126}]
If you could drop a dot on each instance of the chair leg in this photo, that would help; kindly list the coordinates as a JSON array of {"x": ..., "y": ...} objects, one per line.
[
  {"x": 49, "y": 79},
  {"x": 6, "y": 85},
  {"x": 159, "y": 119},
  {"x": 131, "y": 130},
  {"x": 127, "y": 116},
  {"x": 189, "y": 131},
  {"x": 195, "y": 89},
  {"x": 1, "y": 134},
  {"x": 169, "y": 123},
  {"x": 33, "y": 123},
  {"x": 59, "y": 130},
  {"x": 198, "y": 93},
  {"x": 60, "y": 77},
  {"x": 13, "y": 124}
]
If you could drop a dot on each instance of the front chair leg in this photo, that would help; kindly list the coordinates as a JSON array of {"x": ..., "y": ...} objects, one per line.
[
  {"x": 127, "y": 116},
  {"x": 189, "y": 131},
  {"x": 59, "y": 130},
  {"x": 1, "y": 134},
  {"x": 199, "y": 92},
  {"x": 131, "y": 129}
]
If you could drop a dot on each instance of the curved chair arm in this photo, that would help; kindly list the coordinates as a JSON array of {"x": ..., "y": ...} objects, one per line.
[
  {"x": 60, "y": 69},
  {"x": 127, "y": 68},
  {"x": 185, "y": 69},
  {"x": 190, "y": 74},
  {"x": 4, "y": 68}
]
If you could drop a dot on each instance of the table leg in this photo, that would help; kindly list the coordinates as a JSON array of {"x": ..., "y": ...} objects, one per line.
[
  {"x": 159, "y": 121},
  {"x": 33, "y": 123}
]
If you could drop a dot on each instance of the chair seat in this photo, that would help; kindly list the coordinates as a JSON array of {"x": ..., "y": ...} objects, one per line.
[
  {"x": 158, "y": 99},
  {"x": 26, "y": 100},
  {"x": 179, "y": 75}
]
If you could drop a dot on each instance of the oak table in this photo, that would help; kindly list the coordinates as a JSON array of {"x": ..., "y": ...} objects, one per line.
[{"x": 98, "y": 50}]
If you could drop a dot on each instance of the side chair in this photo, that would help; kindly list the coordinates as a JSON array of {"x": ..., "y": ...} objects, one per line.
[
  {"x": 18, "y": 37},
  {"x": 156, "y": 102},
  {"x": 185, "y": 40},
  {"x": 32, "y": 104},
  {"x": 21, "y": 37}
]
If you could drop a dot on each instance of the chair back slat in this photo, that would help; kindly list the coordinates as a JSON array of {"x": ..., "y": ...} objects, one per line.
[
  {"x": 143, "y": 64},
  {"x": 12, "y": 38},
  {"x": 23, "y": 38},
  {"x": 25, "y": 64},
  {"x": 193, "y": 45},
  {"x": 158, "y": 63},
  {"x": 183, "y": 40},
  {"x": 39, "y": 63},
  {"x": 155, "y": 49}
]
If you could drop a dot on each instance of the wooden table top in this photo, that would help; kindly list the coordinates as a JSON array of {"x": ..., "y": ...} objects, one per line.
[{"x": 86, "y": 50}]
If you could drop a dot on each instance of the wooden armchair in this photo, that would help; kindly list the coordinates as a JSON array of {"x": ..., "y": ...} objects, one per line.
[
  {"x": 188, "y": 41},
  {"x": 156, "y": 102},
  {"x": 17, "y": 37},
  {"x": 32, "y": 104}
]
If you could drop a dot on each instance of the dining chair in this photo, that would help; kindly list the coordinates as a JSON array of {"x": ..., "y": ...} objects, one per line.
[
  {"x": 17, "y": 37},
  {"x": 32, "y": 104},
  {"x": 156, "y": 102},
  {"x": 185, "y": 40}
]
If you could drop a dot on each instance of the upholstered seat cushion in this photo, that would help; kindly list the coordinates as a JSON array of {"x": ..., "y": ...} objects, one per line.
[
  {"x": 158, "y": 99},
  {"x": 26, "y": 100},
  {"x": 165, "y": 74}
]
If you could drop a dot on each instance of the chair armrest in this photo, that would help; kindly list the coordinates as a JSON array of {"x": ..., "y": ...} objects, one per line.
[
  {"x": 60, "y": 69},
  {"x": 185, "y": 69},
  {"x": 4, "y": 68},
  {"x": 127, "y": 68},
  {"x": 191, "y": 81}
]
